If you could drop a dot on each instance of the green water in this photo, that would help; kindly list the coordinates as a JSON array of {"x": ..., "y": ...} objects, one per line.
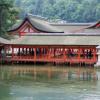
[{"x": 49, "y": 83}]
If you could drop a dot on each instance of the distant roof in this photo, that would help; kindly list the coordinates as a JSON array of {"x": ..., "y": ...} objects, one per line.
[
  {"x": 4, "y": 41},
  {"x": 72, "y": 24},
  {"x": 71, "y": 27},
  {"x": 38, "y": 23},
  {"x": 57, "y": 40},
  {"x": 94, "y": 28}
]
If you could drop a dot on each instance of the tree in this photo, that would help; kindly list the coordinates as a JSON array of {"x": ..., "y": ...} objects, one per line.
[
  {"x": 7, "y": 15},
  {"x": 38, "y": 7},
  {"x": 68, "y": 10},
  {"x": 51, "y": 2}
]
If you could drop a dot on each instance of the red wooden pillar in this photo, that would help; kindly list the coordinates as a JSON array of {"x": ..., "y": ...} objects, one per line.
[
  {"x": 19, "y": 53},
  {"x": 34, "y": 54},
  {"x": 85, "y": 53},
  {"x": 49, "y": 53},
  {"x": 26, "y": 52},
  {"x": 54, "y": 51},
  {"x": 46, "y": 53},
  {"x": 12, "y": 52},
  {"x": 41, "y": 52},
  {"x": 23, "y": 52},
  {"x": 64, "y": 54},
  {"x": 5, "y": 51},
  {"x": 79, "y": 53},
  {"x": 94, "y": 54},
  {"x": 57, "y": 52},
  {"x": 62, "y": 51}
]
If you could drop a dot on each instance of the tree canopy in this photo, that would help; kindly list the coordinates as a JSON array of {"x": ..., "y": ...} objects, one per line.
[
  {"x": 7, "y": 15},
  {"x": 64, "y": 10},
  {"x": 68, "y": 10}
]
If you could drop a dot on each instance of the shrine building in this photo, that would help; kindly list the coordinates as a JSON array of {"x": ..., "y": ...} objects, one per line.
[{"x": 37, "y": 40}]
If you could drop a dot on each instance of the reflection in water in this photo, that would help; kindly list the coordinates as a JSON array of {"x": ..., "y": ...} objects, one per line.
[
  {"x": 49, "y": 83},
  {"x": 48, "y": 73}
]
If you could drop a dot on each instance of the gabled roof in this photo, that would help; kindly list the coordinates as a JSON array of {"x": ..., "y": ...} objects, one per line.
[{"x": 38, "y": 23}]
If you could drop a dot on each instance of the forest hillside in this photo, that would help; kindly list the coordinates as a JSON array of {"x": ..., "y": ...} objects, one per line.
[{"x": 68, "y": 10}]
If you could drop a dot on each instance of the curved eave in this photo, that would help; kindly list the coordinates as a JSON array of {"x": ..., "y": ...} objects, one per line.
[
  {"x": 93, "y": 25},
  {"x": 4, "y": 41}
]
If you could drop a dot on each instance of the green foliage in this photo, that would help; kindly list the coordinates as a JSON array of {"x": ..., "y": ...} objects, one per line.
[
  {"x": 7, "y": 15},
  {"x": 69, "y": 10}
]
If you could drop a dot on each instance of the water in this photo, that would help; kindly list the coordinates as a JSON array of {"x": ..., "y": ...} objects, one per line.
[{"x": 49, "y": 83}]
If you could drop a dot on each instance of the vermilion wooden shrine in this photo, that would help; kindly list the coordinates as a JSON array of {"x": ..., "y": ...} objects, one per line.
[
  {"x": 35, "y": 40},
  {"x": 58, "y": 54}
]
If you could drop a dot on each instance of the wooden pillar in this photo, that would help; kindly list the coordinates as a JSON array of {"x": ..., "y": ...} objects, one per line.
[
  {"x": 94, "y": 54},
  {"x": 22, "y": 52},
  {"x": 54, "y": 51},
  {"x": 71, "y": 62},
  {"x": 5, "y": 54},
  {"x": 26, "y": 51},
  {"x": 49, "y": 53},
  {"x": 64, "y": 54},
  {"x": 34, "y": 54},
  {"x": 40, "y": 52},
  {"x": 47, "y": 49},
  {"x": 79, "y": 53},
  {"x": 12, "y": 52},
  {"x": 19, "y": 52}
]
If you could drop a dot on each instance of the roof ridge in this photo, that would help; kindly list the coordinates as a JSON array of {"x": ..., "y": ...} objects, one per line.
[{"x": 36, "y": 17}]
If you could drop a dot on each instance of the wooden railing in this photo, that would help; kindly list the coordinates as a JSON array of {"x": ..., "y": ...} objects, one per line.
[{"x": 53, "y": 59}]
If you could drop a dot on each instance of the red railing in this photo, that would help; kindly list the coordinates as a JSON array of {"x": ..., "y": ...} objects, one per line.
[{"x": 53, "y": 59}]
